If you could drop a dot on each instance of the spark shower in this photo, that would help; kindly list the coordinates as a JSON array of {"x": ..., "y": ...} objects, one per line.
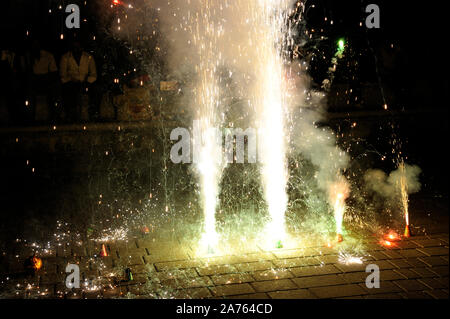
[
  {"x": 263, "y": 26},
  {"x": 249, "y": 39}
]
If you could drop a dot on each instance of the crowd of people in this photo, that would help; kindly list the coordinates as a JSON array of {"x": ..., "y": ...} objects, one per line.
[{"x": 33, "y": 77}]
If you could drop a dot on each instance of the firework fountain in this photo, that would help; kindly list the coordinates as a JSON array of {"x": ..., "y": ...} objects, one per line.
[
  {"x": 258, "y": 53},
  {"x": 207, "y": 141},
  {"x": 269, "y": 98},
  {"x": 404, "y": 196},
  {"x": 338, "y": 193}
]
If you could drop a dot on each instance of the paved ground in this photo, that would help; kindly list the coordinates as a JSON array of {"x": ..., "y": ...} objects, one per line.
[{"x": 413, "y": 268}]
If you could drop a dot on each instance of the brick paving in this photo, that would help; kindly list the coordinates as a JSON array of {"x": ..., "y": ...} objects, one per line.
[{"x": 413, "y": 268}]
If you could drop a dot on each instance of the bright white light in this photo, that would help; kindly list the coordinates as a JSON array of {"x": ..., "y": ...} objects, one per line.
[{"x": 348, "y": 259}]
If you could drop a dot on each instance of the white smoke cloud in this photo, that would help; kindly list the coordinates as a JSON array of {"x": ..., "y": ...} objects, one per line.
[{"x": 388, "y": 186}]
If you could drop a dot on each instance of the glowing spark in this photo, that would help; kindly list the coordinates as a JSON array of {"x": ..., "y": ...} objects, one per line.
[
  {"x": 392, "y": 236},
  {"x": 348, "y": 259},
  {"x": 341, "y": 44},
  {"x": 110, "y": 235},
  {"x": 386, "y": 243},
  {"x": 37, "y": 263}
]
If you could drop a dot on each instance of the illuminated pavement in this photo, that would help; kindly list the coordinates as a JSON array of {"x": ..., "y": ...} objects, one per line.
[{"x": 414, "y": 268}]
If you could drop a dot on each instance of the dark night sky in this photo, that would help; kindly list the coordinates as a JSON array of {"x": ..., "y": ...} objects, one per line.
[{"x": 418, "y": 28}]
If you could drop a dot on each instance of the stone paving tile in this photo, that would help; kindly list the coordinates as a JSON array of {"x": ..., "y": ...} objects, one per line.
[
  {"x": 319, "y": 281},
  {"x": 192, "y": 293},
  {"x": 141, "y": 269},
  {"x": 433, "y": 283},
  {"x": 405, "y": 244},
  {"x": 441, "y": 271},
  {"x": 385, "y": 288},
  {"x": 189, "y": 273},
  {"x": 354, "y": 277},
  {"x": 231, "y": 279},
  {"x": 254, "y": 266},
  {"x": 411, "y": 253},
  {"x": 136, "y": 290},
  {"x": 272, "y": 274},
  {"x": 164, "y": 257},
  {"x": 296, "y": 262},
  {"x": 217, "y": 270},
  {"x": 140, "y": 278},
  {"x": 437, "y": 294},
  {"x": 328, "y": 259},
  {"x": 220, "y": 260},
  {"x": 231, "y": 290},
  {"x": 434, "y": 261},
  {"x": 385, "y": 264},
  {"x": 379, "y": 255},
  {"x": 292, "y": 294},
  {"x": 409, "y": 285},
  {"x": 324, "y": 251},
  {"x": 423, "y": 272},
  {"x": 415, "y": 295},
  {"x": 259, "y": 295},
  {"x": 248, "y": 258},
  {"x": 187, "y": 282},
  {"x": 429, "y": 242},
  {"x": 338, "y": 291},
  {"x": 111, "y": 293},
  {"x": 434, "y": 251},
  {"x": 273, "y": 285},
  {"x": 387, "y": 275},
  {"x": 400, "y": 263},
  {"x": 407, "y": 273},
  {"x": 416, "y": 262},
  {"x": 293, "y": 253},
  {"x": 443, "y": 280},
  {"x": 385, "y": 296},
  {"x": 178, "y": 265},
  {"x": 391, "y": 254},
  {"x": 358, "y": 267},
  {"x": 314, "y": 270},
  {"x": 131, "y": 260},
  {"x": 374, "y": 246}
]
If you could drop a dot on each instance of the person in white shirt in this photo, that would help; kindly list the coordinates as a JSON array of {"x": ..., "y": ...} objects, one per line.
[
  {"x": 44, "y": 80},
  {"x": 78, "y": 75}
]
